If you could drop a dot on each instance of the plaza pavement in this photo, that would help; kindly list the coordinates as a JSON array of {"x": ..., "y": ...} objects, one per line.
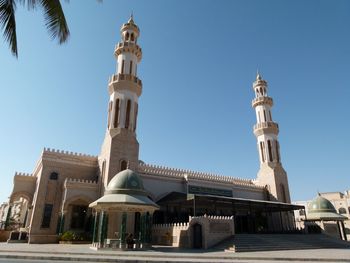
[{"x": 82, "y": 253}]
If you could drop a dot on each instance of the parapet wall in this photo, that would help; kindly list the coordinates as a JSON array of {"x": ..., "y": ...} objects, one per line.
[
  {"x": 182, "y": 173},
  {"x": 67, "y": 156}
]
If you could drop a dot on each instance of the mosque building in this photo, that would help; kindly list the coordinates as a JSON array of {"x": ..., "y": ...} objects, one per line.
[{"x": 114, "y": 195}]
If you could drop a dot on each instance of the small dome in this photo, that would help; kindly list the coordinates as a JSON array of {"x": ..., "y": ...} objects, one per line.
[
  {"x": 321, "y": 205},
  {"x": 124, "y": 192},
  {"x": 125, "y": 180}
]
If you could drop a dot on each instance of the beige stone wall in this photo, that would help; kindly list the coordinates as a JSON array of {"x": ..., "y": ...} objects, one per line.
[
  {"x": 214, "y": 230},
  {"x": 67, "y": 165},
  {"x": 273, "y": 177},
  {"x": 119, "y": 144}
]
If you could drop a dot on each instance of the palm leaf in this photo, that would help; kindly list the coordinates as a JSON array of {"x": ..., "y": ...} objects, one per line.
[
  {"x": 8, "y": 23},
  {"x": 31, "y": 4},
  {"x": 54, "y": 19}
]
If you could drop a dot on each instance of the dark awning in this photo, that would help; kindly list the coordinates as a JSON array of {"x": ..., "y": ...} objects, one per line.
[{"x": 233, "y": 202}]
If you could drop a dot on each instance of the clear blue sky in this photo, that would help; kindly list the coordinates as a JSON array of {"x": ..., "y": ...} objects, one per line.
[{"x": 199, "y": 61}]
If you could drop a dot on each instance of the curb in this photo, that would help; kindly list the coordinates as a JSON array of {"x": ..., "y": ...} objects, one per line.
[{"x": 153, "y": 258}]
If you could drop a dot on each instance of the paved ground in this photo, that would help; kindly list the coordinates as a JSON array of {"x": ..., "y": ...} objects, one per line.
[{"x": 82, "y": 253}]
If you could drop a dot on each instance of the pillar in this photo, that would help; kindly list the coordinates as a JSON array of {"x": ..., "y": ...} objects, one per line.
[
  {"x": 60, "y": 224},
  {"x": 344, "y": 230},
  {"x": 123, "y": 228},
  {"x": 341, "y": 228},
  {"x": 146, "y": 227},
  {"x": 104, "y": 226},
  {"x": 94, "y": 228},
  {"x": 100, "y": 227}
]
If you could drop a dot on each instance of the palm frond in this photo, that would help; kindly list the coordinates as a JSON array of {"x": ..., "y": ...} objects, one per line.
[
  {"x": 31, "y": 4},
  {"x": 55, "y": 20},
  {"x": 8, "y": 23}
]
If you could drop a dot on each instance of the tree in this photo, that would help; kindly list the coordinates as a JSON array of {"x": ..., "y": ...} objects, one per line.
[{"x": 54, "y": 20}]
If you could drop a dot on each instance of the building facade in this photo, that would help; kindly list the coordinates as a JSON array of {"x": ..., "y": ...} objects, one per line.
[{"x": 63, "y": 184}]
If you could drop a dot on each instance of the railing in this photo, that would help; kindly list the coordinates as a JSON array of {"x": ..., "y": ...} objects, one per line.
[
  {"x": 268, "y": 124},
  {"x": 117, "y": 77},
  {"x": 262, "y": 100},
  {"x": 128, "y": 44}
]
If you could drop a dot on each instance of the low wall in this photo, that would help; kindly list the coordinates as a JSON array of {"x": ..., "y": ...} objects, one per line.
[
  {"x": 214, "y": 230},
  {"x": 42, "y": 239},
  {"x": 175, "y": 235},
  {"x": 4, "y": 235}
]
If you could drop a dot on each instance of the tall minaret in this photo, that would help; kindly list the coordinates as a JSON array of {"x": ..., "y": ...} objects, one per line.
[
  {"x": 271, "y": 173},
  {"x": 120, "y": 148}
]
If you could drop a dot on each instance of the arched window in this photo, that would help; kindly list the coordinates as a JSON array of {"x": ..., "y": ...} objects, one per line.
[
  {"x": 270, "y": 150},
  {"x": 123, "y": 165},
  {"x": 109, "y": 113},
  {"x": 132, "y": 37},
  {"x": 127, "y": 117},
  {"x": 270, "y": 115},
  {"x": 103, "y": 168},
  {"x": 264, "y": 115},
  {"x": 116, "y": 113},
  {"x": 135, "y": 117},
  {"x": 127, "y": 36},
  {"x": 277, "y": 151},
  {"x": 342, "y": 210},
  {"x": 130, "y": 69},
  {"x": 122, "y": 71},
  {"x": 262, "y": 151},
  {"x": 54, "y": 176}
]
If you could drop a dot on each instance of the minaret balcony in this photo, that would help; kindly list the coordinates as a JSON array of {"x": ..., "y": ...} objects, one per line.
[
  {"x": 129, "y": 77},
  {"x": 263, "y": 100},
  {"x": 266, "y": 127},
  {"x": 123, "y": 47},
  {"x": 122, "y": 81}
]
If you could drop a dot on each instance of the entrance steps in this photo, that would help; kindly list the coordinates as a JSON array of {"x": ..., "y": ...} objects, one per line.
[{"x": 269, "y": 242}]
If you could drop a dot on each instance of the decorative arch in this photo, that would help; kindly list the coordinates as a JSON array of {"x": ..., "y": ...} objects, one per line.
[
  {"x": 20, "y": 194},
  {"x": 73, "y": 199}
]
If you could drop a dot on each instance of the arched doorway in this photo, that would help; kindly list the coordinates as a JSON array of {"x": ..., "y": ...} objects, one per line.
[{"x": 197, "y": 236}]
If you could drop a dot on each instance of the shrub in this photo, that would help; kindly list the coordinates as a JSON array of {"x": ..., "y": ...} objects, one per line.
[
  {"x": 72, "y": 236},
  {"x": 67, "y": 236}
]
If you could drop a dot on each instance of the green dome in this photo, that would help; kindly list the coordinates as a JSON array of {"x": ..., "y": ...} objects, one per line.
[
  {"x": 321, "y": 205},
  {"x": 125, "y": 181}
]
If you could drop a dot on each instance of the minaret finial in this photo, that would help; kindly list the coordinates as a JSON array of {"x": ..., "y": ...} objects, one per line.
[
  {"x": 258, "y": 76},
  {"x": 131, "y": 19}
]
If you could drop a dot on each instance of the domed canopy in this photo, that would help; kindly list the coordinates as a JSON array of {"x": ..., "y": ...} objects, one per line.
[
  {"x": 125, "y": 182},
  {"x": 125, "y": 192},
  {"x": 322, "y": 209}
]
